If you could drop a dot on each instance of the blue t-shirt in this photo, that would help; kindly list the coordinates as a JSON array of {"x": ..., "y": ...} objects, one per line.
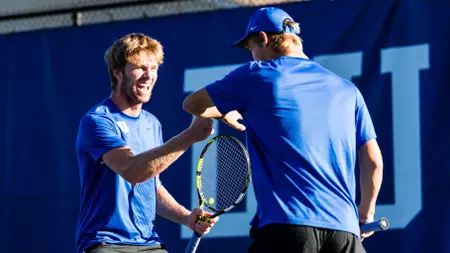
[
  {"x": 113, "y": 210},
  {"x": 304, "y": 126}
]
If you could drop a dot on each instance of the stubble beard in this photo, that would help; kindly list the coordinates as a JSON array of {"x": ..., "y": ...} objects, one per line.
[{"x": 129, "y": 94}]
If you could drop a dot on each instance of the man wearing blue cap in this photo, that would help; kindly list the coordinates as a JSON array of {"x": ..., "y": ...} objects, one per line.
[{"x": 305, "y": 127}]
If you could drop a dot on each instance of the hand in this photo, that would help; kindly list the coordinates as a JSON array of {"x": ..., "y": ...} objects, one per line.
[
  {"x": 202, "y": 227},
  {"x": 200, "y": 129},
  {"x": 232, "y": 118},
  {"x": 365, "y": 217}
]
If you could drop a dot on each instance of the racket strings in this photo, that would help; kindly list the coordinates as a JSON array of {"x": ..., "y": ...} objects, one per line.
[{"x": 224, "y": 174}]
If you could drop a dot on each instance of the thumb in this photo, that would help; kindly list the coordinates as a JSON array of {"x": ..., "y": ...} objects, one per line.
[
  {"x": 199, "y": 211},
  {"x": 240, "y": 127}
]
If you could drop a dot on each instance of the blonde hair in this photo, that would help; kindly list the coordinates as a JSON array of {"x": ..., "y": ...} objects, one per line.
[
  {"x": 281, "y": 41},
  {"x": 126, "y": 49}
]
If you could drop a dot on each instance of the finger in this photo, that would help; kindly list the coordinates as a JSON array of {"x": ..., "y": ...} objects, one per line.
[
  {"x": 199, "y": 212},
  {"x": 208, "y": 215},
  {"x": 365, "y": 235},
  {"x": 200, "y": 229},
  {"x": 203, "y": 232},
  {"x": 369, "y": 234},
  {"x": 204, "y": 225},
  {"x": 207, "y": 220},
  {"x": 239, "y": 126},
  {"x": 206, "y": 231},
  {"x": 207, "y": 223},
  {"x": 214, "y": 220}
]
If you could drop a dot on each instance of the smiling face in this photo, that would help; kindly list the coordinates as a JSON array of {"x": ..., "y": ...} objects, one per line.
[
  {"x": 138, "y": 77},
  {"x": 133, "y": 63}
]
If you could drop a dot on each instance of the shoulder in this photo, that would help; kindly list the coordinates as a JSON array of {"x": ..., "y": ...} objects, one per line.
[
  {"x": 342, "y": 83},
  {"x": 246, "y": 71},
  {"x": 246, "y": 68},
  {"x": 256, "y": 66},
  {"x": 99, "y": 114}
]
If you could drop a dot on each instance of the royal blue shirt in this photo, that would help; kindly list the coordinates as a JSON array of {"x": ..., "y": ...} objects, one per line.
[
  {"x": 304, "y": 126},
  {"x": 113, "y": 210}
]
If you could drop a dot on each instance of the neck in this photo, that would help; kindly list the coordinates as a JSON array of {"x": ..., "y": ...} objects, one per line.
[
  {"x": 297, "y": 54},
  {"x": 125, "y": 105},
  {"x": 293, "y": 51}
]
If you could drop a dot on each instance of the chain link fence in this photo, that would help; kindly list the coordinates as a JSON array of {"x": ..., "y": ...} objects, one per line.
[{"x": 54, "y": 14}]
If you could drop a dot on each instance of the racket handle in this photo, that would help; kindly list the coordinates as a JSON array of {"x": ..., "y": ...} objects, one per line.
[
  {"x": 193, "y": 243},
  {"x": 380, "y": 224}
]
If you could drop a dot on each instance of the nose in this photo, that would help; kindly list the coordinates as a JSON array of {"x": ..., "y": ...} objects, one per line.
[{"x": 148, "y": 74}]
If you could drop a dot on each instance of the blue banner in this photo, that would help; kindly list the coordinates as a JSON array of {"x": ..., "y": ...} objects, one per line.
[{"x": 395, "y": 51}]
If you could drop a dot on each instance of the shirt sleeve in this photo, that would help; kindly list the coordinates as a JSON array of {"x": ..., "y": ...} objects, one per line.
[
  {"x": 231, "y": 92},
  {"x": 365, "y": 130},
  {"x": 98, "y": 135}
]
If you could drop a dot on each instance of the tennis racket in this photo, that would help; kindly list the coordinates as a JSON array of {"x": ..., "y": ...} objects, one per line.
[
  {"x": 380, "y": 224},
  {"x": 223, "y": 176}
]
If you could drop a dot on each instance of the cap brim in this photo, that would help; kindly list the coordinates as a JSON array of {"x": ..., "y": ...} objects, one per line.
[{"x": 240, "y": 42}]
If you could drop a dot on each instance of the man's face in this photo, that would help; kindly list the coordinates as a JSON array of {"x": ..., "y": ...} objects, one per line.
[{"x": 139, "y": 78}]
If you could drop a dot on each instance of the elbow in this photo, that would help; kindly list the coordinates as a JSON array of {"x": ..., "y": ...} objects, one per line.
[
  {"x": 371, "y": 158},
  {"x": 377, "y": 164},
  {"x": 132, "y": 175},
  {"x": 188, "y": 105},
  {"x": 371, "y": 167},
  {"x": 374, "y": 165},
  {"x": 374, "y": 168},
  {"x": 193, "y": 106},
  {"x": 134, "y": 180},
  {"x": 379, "y": 169}
]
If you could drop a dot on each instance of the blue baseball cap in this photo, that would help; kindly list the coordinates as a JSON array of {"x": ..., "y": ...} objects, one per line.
[{"x": 267, "y": 19}]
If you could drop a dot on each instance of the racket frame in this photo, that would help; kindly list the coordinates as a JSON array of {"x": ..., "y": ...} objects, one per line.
[
  {"x": 201, "y": 198},
  {"x": 195, "y": 239}
]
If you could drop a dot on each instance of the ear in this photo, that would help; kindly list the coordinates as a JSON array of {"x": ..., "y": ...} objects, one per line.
[
  {"x": 264, "y": 38},
  {"x": 118, "y": 74}
]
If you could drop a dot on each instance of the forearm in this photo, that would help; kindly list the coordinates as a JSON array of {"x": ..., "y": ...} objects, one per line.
[
  {"x": 151, "y": 163},
  {"x": 169, "y": 208},
  {"x": 371, "y": 177},
  {"x": 200, "y": 104}
]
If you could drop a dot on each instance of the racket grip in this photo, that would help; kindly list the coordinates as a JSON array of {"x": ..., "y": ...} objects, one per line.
[
  {"x": 380, "y": 224},
  {"x": 193, "y": 243}
]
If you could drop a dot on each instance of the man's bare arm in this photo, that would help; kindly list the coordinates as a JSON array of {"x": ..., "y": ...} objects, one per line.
[
  {"x": 200, "y": 104},
  {"x": 138, "y": 168},
  {"x": 371, "y": 177},
  {"x": 169, "y": 208}
]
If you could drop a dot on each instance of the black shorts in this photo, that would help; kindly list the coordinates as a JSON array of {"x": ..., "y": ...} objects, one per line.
[
  {"x": 275, "y": 238},
  {"x": 107, "y": 248}
]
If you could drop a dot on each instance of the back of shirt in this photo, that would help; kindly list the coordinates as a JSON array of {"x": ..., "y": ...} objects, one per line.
[
  {"x": 304, "y": 126},
  {"x": 113, "y": 210}
]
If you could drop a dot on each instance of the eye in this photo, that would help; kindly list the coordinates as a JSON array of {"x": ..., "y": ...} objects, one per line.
[{"x": 154, "y": 68}]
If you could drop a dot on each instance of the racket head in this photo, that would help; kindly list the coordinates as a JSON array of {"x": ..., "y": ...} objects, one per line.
[{"x": 223, "y": 174}]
